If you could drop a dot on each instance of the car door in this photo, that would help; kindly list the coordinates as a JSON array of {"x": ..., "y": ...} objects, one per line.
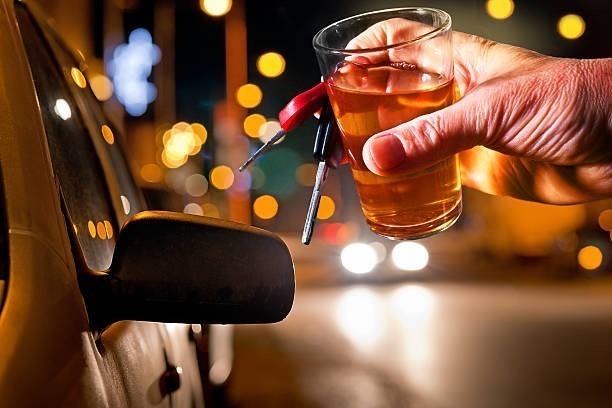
[{"x": 127, "y": 363}]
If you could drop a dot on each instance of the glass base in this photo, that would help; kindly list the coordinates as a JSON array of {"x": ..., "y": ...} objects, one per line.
[{"x": 412, "y": 232}]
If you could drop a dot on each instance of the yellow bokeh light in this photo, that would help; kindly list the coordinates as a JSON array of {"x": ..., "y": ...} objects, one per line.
[
  {"x": 222, "y": 177},
  {"x": 200, "y": 132},
  {"x": 180, "y": 141},
  {"x": 249, "y": 95},
  {"x": 500, "y": 9},
  {"x": 91, "y": 227},
  {"x": 271, "y": 64},
  {"x": 173, "y": 161},
  {"x": 78, "y": 77},
  {"x": 216, "y": 8},
  {"x": 571, "y": 26},
  {"x": 590, "y": 257},
  {"x": 605, "y": 220},
  {"x": 151, "y": 173},
  {"x": 265, "y": 207},
  {"x": 253, "y": 124},
  {"x": 306, "y": 174},
  {"x": 327, "y": 207},
  {"x": 109, "y": 229},
  {"x": 107, "y": 134},
  {"x": 102, "y": 87},
  {"x": 101, "y": 230}
]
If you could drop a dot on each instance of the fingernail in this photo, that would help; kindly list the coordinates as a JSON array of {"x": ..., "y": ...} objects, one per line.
[{"x": 387, "y": 151}]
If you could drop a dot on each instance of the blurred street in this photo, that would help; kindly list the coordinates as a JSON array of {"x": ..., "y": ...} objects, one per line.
[{"x": 432, "y": 345}]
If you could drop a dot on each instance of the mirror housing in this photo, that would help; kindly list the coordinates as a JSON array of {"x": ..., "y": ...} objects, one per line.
[{"x": 175, "y": 267}]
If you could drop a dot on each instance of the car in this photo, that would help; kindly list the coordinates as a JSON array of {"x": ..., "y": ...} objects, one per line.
[{"x": 99, "y": 296}]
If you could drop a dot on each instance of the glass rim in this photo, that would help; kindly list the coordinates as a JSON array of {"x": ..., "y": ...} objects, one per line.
[{"x": 446, "y": 24}]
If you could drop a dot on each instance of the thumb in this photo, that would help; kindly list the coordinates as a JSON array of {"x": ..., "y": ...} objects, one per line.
[{"x": 427, "y": 139}]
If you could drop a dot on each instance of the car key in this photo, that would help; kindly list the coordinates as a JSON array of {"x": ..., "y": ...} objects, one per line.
[
  {"x": 292, "y": 115},
  {"x": 328, "y": 152}
]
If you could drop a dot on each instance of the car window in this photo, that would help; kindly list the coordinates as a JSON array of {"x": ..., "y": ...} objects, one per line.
[
  {"x": 77, "y": 168},
  {"x": 126, "y": 198}
]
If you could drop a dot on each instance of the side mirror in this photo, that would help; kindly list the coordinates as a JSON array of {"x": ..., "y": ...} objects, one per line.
[{"x": 174, "y": 267}]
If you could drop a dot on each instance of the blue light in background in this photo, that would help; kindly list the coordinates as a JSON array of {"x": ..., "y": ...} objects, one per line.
[{"x": 130, "y": 68}]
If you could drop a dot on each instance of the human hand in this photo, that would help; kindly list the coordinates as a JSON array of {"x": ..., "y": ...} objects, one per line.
[{"x": 529, "y": 126}]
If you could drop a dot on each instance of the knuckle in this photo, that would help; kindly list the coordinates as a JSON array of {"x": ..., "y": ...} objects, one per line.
[{"x": 427, "y": 136}]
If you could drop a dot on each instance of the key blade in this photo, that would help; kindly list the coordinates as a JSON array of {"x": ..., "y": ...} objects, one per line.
[
  {"x": 313, "y": 207},
  {"x": 266, "y": 146}
]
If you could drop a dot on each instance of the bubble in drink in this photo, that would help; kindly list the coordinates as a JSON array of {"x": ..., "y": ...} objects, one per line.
[{"x": 369, "y": 99}]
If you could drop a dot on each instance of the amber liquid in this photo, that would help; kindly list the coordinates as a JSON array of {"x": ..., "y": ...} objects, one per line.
[{"x": 369, "y": 100}]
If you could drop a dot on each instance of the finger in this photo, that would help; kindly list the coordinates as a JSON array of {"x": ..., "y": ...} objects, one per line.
[{"x": 430, "y": 138}]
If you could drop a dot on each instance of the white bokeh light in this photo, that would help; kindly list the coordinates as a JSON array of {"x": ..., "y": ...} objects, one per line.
[
  {"x": 410, "y": 256},
  {"x": 62, "y": 109},
  {"x": 359, "y": 258}
]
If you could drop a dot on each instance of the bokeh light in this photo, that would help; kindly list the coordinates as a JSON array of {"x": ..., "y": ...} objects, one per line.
[
  {"x": 410, "y": 256},
  {"x": 358, "y": 258},
  {"x": 173, "y": 161},
  {"x": 381, "y": 250},
  {"x": 222, "y": 177},
  {"x": 306, "y": 174},
  {"x": 265, "y": 207},
  {"x": 102, "y": 87},
  {"x": 130, "y": 67},
  {"x": 605, "y": 220},
  {"x": 200, "y": 132},
  {"x": 193, "y": 208},
  {"x": 151, "y": 173},
  {"x": 500, "y": 9},
  {"x": 78, "y": 77},
  {"x": 62, "y": 109},
  {"x": 337, "y": 233},
  {"x": 270, "y": 128},
  {"x": 253, "y": 125},
  {"x": 109, "y": 229},
  {"x": 249, "y": 95},
  {"x": 571, "y": 26},
  {"x": 101, "y": 230},
  {"x": 196, "y": 185},
  {"x": 590, "y": 257},
  {"x": 108, "y": 135},
  {"x": 271, "y": 64},
  {"x": 181, "y": 141},
  {"x": 327, "y": 207},
  {"x": 125, "y": 203},
  {"x": 216, "y": 8}
]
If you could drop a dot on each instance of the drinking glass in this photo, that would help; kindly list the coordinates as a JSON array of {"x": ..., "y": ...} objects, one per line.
[{"x": 381, "y": 69}]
